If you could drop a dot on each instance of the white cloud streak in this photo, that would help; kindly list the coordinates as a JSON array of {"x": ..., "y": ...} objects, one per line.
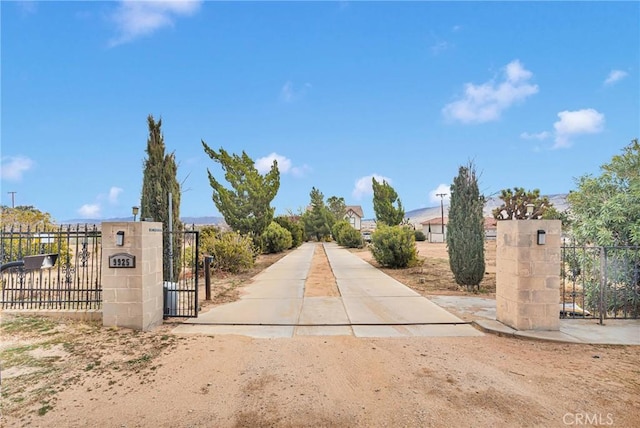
[
  {"x": 285, "y": 166},
  {"x": 572, "y": 123},
  {"x": 615, "y": 76},
  {"x": 263, "y": 165},
  {"x": 486, "y": 102},
  {"x": 14, "y": 167},
  {"x": 114, "y": 193},
  {"x": 536, "y": 136},
  {"x": 442, "y": 188},
  {"x": 89, "y": 211},
  {"x": 135, "y": 19},
  {"x": 364, "y": 186}
]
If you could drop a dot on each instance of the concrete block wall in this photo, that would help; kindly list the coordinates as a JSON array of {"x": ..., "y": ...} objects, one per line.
[
  {"x": 528, "y": 274},
  {"x": 133, "y": 297}
]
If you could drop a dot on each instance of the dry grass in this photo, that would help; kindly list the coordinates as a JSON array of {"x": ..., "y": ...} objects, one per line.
[
  {"x": 41, "y": 357},
  {"x": 433, "y": 275}
]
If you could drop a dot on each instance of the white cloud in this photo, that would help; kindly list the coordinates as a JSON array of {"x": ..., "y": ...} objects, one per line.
[
  {"x": 136, "y": 19},
  {"x": 615, "y": 76},
  {"x": 13, "y": 167},
  {"x": 441, "y": 189},
  {"x": 89, "y": 211},
  {"x": 95, "y": 210},
  {"x": 571, "y": 123},
  {"x": 263, "y": 165},
  {"x": 285, "y": 166},
  {"x": 486, "y": 102},
  {"x": 289, "y": 93},
  {"x": 536, "y": 136},
  {"x": 363, "y": 185},
  {"x": 114, "y": 193}
]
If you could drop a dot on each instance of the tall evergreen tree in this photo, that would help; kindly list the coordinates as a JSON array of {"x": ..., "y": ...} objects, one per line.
[
  {"x": 247, "y": 206},
  {"x": 318, "y": 219},
  {"x": 384, "y": 196},
  {"x": 337, "y": 207},
  {"x": 159, "y": 179},
  {"x": 465, "y": 229}
]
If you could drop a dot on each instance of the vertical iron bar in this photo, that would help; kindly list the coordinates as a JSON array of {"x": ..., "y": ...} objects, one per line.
[
  {"x": 603, "y": 282},
  {"x": 207, "y": 277},
  {"x": 195, "y": 261}
]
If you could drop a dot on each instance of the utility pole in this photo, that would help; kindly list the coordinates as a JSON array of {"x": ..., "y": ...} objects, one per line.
[
  {"x": 442, "y": 195},
  {"x": 13, "y": 199}
]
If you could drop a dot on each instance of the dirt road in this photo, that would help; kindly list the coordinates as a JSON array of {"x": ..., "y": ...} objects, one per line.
[
  {"x": 70, "y": 374},
  {"x": 231, "y": 381}
]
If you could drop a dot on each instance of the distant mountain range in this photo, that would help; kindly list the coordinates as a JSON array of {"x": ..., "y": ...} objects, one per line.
[{"x": 415, "y": 216}]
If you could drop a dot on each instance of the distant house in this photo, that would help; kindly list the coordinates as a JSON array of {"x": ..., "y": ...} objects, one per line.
[
  {"x": 435, "y": 232},
  {"x": 434, "y": 229},
  {"x": 354, "y": 216}
]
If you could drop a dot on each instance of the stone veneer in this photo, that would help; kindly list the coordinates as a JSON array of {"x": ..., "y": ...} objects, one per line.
[
  {"x": 133, "y": 297},
  {"x": 528, "y": 274}
]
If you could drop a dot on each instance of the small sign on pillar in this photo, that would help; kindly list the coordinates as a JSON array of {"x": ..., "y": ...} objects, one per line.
[{"x": 122, "y": 260}]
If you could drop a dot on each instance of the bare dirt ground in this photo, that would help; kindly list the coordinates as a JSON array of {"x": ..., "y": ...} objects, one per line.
[
  {"x": 76, "y": 374},
  {"x": 433, "y": 276},
  {"x": 320, "y": 280}
]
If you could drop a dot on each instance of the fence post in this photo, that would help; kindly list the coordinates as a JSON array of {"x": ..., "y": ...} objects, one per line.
[
  {"x": 603, "y": 284},
  {"x": 207, "y": 276},
  {"x": 528, "y": 274},
  {"x": 132, "y": 287}
]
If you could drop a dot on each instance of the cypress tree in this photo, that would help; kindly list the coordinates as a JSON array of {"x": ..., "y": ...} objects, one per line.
[
  {"x": 159, "y": 179},
  {"x": 317, "y": 220},
  {"x": 465, "y": 229}
]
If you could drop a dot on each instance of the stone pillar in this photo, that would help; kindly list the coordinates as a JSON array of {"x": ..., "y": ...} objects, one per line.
[
  {"x": 528, "y": 274},
  {"x": 132, "y": 293}
]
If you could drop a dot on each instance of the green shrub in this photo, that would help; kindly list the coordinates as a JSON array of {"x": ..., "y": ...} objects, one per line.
[
  {"x": 394, "y": 246},
  {"x": 419, "y": 235},
  {"x": 231, "y": 251},
  {"x": 294, "y": 227},
  {"x": 351, "y": 238},
  {"x": 338, "y": 229},
  {"x": 276, "y": 239},
  {"x": 346, "y": 236}
]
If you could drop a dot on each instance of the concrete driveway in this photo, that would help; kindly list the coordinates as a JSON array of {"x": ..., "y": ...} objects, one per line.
[{"x": 371, "y": 304}]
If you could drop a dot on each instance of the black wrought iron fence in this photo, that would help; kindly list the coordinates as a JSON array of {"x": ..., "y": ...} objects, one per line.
[
  {"x": 600, "y": 282},
  {"x": 73, "y": 283}
]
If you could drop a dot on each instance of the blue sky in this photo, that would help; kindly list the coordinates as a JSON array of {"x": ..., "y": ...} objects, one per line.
[{"x": 535, "y": 93}]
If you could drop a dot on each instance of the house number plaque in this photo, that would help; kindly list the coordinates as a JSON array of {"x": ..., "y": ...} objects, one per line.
[{"x": 122, "y": 260}]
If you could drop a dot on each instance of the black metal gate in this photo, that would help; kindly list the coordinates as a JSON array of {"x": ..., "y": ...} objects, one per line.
[
  {"x": 180, "y": 263},
  {"x": 73, "y": 283},
  {"x": 600, "y": 282}
]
